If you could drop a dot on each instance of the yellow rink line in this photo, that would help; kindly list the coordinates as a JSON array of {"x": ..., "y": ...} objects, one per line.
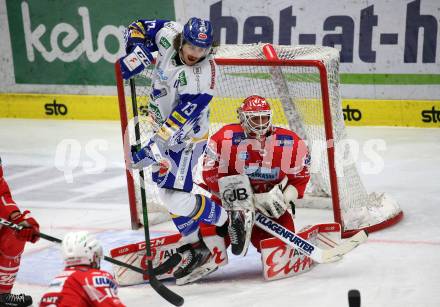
[{"x": 357, "y": 112}]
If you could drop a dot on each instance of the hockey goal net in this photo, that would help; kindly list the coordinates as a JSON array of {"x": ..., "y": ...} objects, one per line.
[{"x": 302, "y": 85}]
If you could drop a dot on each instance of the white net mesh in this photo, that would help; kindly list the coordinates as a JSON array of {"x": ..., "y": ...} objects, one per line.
[{"x": 295, "y": 94}]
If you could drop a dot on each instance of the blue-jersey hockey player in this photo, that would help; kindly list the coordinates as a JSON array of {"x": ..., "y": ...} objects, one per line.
[{"x": 182, "y": 87}]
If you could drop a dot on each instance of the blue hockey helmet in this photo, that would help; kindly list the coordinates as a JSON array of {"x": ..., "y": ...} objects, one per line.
[{"x": 198, "y": 32}]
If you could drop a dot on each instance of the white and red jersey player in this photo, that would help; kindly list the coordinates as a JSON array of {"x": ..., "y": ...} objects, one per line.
[
  {"x": 82, "y": 286},
  {"x": 82, "y": 283},
  {"x": 266, "y": 154},
  {"x": 12, "y": 244}
]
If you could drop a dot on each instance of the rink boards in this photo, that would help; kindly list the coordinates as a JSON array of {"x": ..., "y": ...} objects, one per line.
[{"x": 357, "y": 112}]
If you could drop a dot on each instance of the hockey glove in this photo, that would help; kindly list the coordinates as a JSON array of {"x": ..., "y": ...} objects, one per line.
[
  {"x": 134, "y": 36},
  {"x": 141, "y": 157},
  {"x": 146, "y": 156},
  {"x": 135, "y": 62},
  {"x": 272, "y": 203},
  {"x": 31, "y": 229}
]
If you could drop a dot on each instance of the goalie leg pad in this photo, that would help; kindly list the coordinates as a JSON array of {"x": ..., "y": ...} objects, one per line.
[
  {"x": 161, "y": 249},
  {"x": 281, "y": 260}
]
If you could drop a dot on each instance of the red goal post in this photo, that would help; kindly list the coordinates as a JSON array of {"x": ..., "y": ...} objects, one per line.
[{"x": 302, "y": 84}]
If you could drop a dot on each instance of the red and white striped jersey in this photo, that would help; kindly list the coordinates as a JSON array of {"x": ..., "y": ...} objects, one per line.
[
  {"x": 282, "y": 153},
  {"x": 82, "y": 286}
]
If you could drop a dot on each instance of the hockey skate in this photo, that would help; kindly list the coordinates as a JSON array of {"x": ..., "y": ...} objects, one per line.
[
  {"x": 15, "y": 300},
  {"x": 240, "y": 229},
  {"x": 196, "y": 264}
]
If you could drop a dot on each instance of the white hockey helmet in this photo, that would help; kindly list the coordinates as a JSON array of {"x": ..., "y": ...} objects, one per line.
[
  {"x": 81, "y": 248},
  {"x": 255, "y": 115}
]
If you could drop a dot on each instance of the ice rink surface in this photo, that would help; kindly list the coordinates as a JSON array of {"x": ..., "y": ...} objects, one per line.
[{"x": 397, "y": 267}]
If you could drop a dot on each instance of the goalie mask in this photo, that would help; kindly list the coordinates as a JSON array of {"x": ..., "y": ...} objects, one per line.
[
  {"x": 81, "y": 248},
  {"x": 255, "y": 116}
]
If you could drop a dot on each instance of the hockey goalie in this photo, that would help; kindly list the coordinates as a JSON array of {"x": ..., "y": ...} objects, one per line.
[{"x": 255, "y": 166}]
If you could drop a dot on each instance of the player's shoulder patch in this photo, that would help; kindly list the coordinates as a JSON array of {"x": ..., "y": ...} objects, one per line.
[{"x": 103, "y": 280}]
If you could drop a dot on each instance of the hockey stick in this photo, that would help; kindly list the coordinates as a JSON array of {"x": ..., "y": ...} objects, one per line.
[
  {"x": 314, "y": 252},
  {"x": 158, "y": 286},
  {"x": 161, "y": 269}
]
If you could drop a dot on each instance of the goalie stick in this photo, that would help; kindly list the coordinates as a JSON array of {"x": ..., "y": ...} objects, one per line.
[
  {"x": 159, "y": 270},
  {"x": 158, "y": 286},
  {"x": 317, "y": 254}
]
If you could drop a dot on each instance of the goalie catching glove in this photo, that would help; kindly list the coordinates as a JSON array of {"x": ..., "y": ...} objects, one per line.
[{"x": 274, "y": 203}]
